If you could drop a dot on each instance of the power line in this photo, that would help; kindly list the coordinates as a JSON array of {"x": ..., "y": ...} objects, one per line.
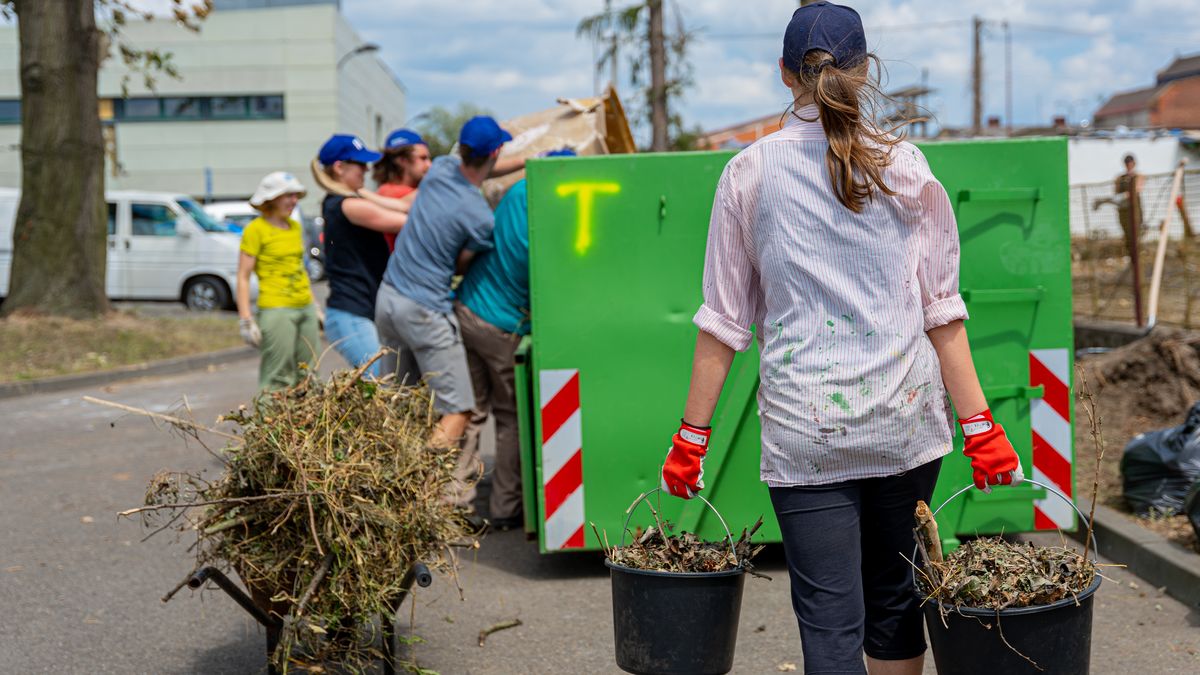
[
  {"x": 869, "y": 29},
  {"x": 932, "y": 25}
]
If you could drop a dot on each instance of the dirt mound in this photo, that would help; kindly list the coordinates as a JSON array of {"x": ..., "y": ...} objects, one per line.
[
  {"x": 1157, "y": 377},
  {"x": 1146, "y": 385}
]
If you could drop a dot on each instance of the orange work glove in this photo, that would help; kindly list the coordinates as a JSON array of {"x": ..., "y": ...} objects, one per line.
[
  {"x": 683, "y": 470},
  {"x": 993, "y": 458}
]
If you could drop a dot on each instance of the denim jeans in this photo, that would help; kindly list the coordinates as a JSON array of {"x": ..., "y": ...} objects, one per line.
[
  {"x": 852, "y": 588},
  {"x": 354, "y": 337}
]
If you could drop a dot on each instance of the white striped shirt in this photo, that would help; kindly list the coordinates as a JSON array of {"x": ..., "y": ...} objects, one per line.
[{"x": 850, "y": 385}]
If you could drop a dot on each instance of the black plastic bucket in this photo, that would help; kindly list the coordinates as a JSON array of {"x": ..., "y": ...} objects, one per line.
[
  {"x": 674, "y": 623},
  {"x": 1057, "y": 637}
]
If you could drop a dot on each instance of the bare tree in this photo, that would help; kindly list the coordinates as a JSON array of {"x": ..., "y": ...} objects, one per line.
[
  {"x": 658, "y": 77},
  {"x": 641, "y": 26},
  {"x": 59, "y": 234}
]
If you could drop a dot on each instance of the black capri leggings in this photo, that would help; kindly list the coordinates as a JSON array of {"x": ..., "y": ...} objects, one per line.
[{"x": 846, "y": 546}]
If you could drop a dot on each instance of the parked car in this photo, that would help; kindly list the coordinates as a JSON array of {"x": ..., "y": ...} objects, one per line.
[
  {"x": 236, "y": 215},
  {"x": 161, "y": 246}
]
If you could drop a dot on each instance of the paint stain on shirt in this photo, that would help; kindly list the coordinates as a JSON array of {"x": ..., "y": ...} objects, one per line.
[{"x": 840, "y": 400}]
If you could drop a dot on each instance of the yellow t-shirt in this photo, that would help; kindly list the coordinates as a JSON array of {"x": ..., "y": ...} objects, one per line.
[{"x": 279, "y": 263}]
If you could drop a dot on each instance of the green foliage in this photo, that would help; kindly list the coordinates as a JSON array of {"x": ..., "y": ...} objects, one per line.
[
  {"x": 685, "y": 140},
  {"x": 440, "y": 126}
]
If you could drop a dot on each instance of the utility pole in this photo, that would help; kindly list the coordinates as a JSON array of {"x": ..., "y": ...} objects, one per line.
[
  {"x": 924, "y": 103},
  {"x": 658, "y": 78},
  {"x": 977, "y": 78},
  {"x": 612, "y": 36},
  {"x": 1008, "y": 80}
]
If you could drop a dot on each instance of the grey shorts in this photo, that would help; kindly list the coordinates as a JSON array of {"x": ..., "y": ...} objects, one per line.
[{"x": 424, "y": 343}]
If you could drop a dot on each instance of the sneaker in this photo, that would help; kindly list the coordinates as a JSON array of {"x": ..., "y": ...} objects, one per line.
[{"x": 508, "y": 523}]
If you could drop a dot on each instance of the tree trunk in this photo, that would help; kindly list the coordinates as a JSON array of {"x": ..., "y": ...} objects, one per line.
[
  {"x": 658, "y": 78},
  {"x": 59, "y": 237}
]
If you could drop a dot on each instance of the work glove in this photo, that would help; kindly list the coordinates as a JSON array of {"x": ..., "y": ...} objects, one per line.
[
  {"x": 683, "y": 470},
  {"x": 993, "y": 459},
  {"x": 250, "y": 332},
  {"x": 320, "y": 317}
]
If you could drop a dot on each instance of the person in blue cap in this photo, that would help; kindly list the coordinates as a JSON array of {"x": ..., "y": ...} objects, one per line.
[
  {"x": 449, "y": 225},
  {"x": 838, "y": 244},
  {"x": 492, "y": 307},
  {"x": 356, "y": 252},
  {"x": 405, "y": 161}
]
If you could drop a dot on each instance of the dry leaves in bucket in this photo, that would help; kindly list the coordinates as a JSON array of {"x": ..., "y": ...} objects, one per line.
[
  {"x": 992, "y": 573},
  {"x": 658, "y": 548}
]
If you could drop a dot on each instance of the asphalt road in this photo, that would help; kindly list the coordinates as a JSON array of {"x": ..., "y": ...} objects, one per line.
[{"x": 79, "y": 590}]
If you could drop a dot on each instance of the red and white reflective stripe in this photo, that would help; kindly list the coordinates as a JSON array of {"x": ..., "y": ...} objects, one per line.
[
  {"x": 562, "y": 459},
  {"x": 1050, "y": 418}
]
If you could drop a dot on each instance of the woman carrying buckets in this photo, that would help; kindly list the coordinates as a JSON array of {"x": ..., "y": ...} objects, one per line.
[
  {"x": 286, "y": 329},
  {"x": 836, "y": 241}
]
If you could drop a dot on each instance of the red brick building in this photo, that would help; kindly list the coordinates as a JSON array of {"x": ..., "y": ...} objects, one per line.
[
  {"x": 1172, "y": 103},
  {"x": 739, "y": 135}
]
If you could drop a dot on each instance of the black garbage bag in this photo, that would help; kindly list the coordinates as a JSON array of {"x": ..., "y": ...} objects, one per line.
[
  {"x": 1191, "y": 506},
  {"x": 1158, "y": 467}
]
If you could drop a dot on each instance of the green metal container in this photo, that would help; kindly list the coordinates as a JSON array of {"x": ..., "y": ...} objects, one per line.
[{"x": 616, "y": 256}]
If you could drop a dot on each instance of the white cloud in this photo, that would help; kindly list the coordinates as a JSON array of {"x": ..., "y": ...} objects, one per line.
[{"x": 513, "y": 56}]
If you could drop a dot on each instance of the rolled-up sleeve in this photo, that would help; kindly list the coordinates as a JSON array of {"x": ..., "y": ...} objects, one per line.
[
  {"x": 938, "y": 260},
  {"x": 731, "y": 288}
]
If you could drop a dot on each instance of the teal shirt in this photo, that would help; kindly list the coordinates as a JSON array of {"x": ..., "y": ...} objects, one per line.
[{"x": 496, "y": 286}]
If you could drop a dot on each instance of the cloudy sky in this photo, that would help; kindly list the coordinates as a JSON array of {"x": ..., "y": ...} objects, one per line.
[{"x": 515, "y": 56}]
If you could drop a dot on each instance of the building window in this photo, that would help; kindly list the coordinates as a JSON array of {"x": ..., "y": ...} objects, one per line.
[
  {"x": 181, "y": 108},
  {"x": 187, "y": 108},
  {"x": 10, "y": 111},
  {"x": 139, "y": 109},
  {"x": 267, "y": 106},
  {"x": 224, "y": 107}
]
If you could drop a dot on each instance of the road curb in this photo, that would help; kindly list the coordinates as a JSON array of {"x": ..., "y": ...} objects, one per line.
[
  {"x": 1147, "y": 554},
  {"x": 180, "y": 364}
]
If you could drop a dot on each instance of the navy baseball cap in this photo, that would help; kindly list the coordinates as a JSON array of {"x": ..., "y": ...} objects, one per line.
[
  {"x": 346, "y": 148},
  {"x": 402, "y": 137},
  {"x": 823, "y": 25},
  {"x": 483, "y": 136}
]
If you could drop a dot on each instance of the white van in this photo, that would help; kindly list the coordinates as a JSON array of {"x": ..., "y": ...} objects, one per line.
[{"x": 161, "y": 246}]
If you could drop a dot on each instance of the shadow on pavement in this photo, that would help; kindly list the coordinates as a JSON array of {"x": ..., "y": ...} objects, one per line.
[
  {"x": 511, "y": 552},
  {"x": 245, "y": 653}
]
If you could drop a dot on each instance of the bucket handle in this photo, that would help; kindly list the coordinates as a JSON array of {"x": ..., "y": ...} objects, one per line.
[
  {"x": 642, "y": 498},
  {"x": 1048, "y": 488}
]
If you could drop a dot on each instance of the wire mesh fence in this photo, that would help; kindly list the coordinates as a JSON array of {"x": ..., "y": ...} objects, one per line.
[{"x": 1101, "y": 261}]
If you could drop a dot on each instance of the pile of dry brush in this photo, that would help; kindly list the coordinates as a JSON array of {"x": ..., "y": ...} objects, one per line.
[{"x": 330, "y": 496}]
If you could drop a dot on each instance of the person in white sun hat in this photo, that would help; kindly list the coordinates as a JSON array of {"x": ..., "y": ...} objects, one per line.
[{"x": 286, "y": 328}]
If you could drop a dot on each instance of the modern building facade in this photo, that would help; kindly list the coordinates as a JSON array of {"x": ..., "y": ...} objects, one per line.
[{"x": 261, "y": 86}]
